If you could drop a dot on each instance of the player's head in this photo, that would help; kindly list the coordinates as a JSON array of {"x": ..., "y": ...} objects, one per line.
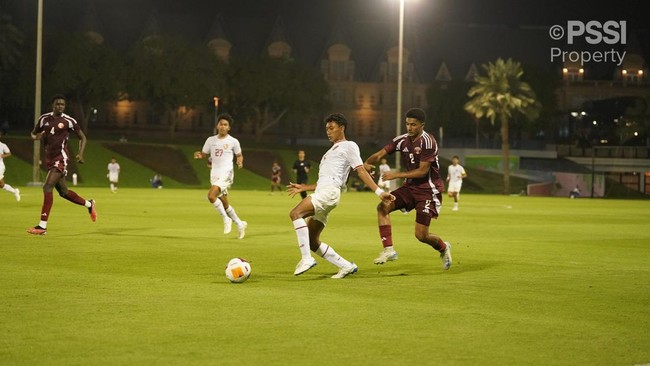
[
  {"x": 58, "y": 103},
  {"x": 301, "y": 154},
  {"x": 335, "y": 125},
  {"x": 415, "y": 118},
  {"x": 113, "y": 160},
  {"x": 383, "y": 161},
  {"x": 455, "y": 159},
  {"x": 224, "y": 123}
]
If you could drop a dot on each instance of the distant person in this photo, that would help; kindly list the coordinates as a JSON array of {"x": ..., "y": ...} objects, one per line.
[
  {"x": 421, "y": 190},
  {"x": 222, "y": 149},
  {"x": 301, "y": 169},
  {"x": 113, "y": 174},
  {"x": 276, "y": 177},
  {"x": 455, "y": 175},
  {"x": 333, "y": 173},
  {"x": 4, "y": 128},
  {"x": 383, "y": 168},
  {"x": 156, "y": 181},
  {"x": 5, "y": 153},
  {"x": 54, "y": 129},
  {"x": 575, "y": 192}
]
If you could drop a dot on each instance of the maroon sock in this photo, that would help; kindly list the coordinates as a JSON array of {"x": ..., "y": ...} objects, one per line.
[
  {"x": 386, "y": 235},
  {"x": 75, "y": 198},
  {"x": 440, "y": 245},
  {"x": 48, "y": 198}
]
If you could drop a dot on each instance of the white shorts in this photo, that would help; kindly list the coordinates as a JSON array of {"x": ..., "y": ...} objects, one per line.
[
  {"x": 113, "y": 178},
  {"x": 324, "y": 200},
  {"x": 222, "y": 180},
  {"x": 454, "y": 187}
]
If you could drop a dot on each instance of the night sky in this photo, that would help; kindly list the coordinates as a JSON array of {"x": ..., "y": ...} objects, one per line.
[{"x": 448, "y": 30}]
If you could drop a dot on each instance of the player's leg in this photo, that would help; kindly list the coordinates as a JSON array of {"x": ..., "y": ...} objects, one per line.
[
  {"x": 73, "y": 197},
  {"x": 303, "y": 209},
  {"x": 213, "y": 194},
  {"x": 385, "y": 228},
  {"x": 327, "y": 252},
  {"x": 425, "y": 211},
  {"x": 232, "y": 215},
  {"x": 53, "y": 175},
  {"x": 7, "y": 187}
]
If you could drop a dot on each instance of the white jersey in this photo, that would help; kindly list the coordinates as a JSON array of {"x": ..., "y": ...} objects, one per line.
[
  {"x": 455, "y": 174},
  {"x": 113, "y": 169},
  {"x": 336, "y": 164},
  {"x": 4, "y": 149},
  {"x": 222, "y": 152}
]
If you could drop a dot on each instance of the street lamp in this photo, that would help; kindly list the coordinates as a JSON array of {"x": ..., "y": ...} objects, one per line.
[
  {"x": 400, "y": 69},
  {"x": 36, "y": 171}
]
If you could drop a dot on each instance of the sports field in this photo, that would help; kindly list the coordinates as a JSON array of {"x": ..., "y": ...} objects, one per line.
[{"x": 534, "y": 281}]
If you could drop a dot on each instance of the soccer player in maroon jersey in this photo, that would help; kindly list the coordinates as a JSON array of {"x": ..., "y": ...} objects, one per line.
[
  {"x": 421, "y": 189},
  {"x": 54, "y": 129}
]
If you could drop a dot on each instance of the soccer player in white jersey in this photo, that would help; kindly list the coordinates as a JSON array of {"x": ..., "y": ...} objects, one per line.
[
  {"x": 383, "y": 168},
  {"x": 222, "y": 149},
  {"x": 332, "y": 176},
  {"x": 455, "y": 175},
  {"x": 5, "y": 153},
  {"x": 113, "y": 174}
]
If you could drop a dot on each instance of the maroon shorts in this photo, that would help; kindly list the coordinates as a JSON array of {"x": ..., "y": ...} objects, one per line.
[
  {"x": 426, "y": 202},
  {"x": 275, "y": 179},
  {"x": 59, "y": 164}
]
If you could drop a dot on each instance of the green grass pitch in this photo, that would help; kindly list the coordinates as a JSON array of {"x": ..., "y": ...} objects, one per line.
[{"x": 534, "y": 281}]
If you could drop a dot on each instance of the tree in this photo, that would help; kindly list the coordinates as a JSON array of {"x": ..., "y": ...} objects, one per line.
[
  {"x": 175, "y": 77},
  {"x": 496, "y": 97},
  {"x": 264, "y": 91},
  {"x": 87, "y": 72}
]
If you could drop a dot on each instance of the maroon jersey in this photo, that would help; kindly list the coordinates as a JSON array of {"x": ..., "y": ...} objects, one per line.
[
  {"x": 423, "y": 148},
  {"x": 57, "y": 133}
]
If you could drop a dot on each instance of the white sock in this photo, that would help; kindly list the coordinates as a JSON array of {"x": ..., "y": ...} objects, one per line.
[
  {"x": 43, "y": 224},
  {"x": 331, "y": 256},
  {"x": 219, "y": 207},
  {"x": 112, "y": 187},
  {"x": 302, "y": 233},
  {"x": 233, "y": 215},
  {"x": 9, "y": 188}
]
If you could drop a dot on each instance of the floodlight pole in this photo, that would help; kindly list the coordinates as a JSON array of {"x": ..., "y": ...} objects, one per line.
[
  {"x": 400, "y": 69},
  {"x": 36, "y": 172}
]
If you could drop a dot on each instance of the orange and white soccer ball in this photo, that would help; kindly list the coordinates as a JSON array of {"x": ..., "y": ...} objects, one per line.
[{"x": 238, "y": 270}]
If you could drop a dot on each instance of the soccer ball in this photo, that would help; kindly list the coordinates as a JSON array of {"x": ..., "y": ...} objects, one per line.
[{"x": 238, "y": 270}]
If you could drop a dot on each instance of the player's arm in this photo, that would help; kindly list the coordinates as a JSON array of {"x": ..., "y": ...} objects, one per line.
[
  {"x": 420, "y": 172},
  {"x": 367, "y": 179},
  {"x": 295, "y": 188},
  {"x": 200, "y": 155},
  {"x": 5, "y": 154},
  {"x": 37, "y": 133},
  {"x": 373, "y": 159},
  {"x": 463, "y": 173},
  {"x": 82, "y": 144},
  {"x": 240, "y": 160}
]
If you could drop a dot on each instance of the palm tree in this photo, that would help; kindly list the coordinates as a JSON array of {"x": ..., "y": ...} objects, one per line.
[{"x": 497, "y": 96}]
